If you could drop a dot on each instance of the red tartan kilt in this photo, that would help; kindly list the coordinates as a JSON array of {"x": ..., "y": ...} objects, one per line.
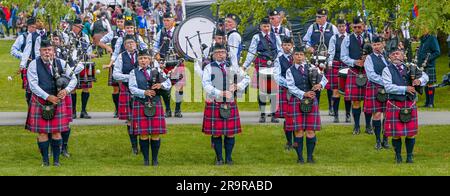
[
  {"x": 143, "y": 125},
  {"x": 84, "y": 85},
  {"x": 333, "y": 76},
  {"x": 68, "y": 100},
  {"x": 371, "y": 104},
  {"x": 213, "y": 124},
  {"x": 111, "y": 81},
  {"x": 393, "y": 127},
  {"x": 36, "y": 124},
  {"x": 124, "y": 112},
  {"x": 352, "y": 91},
  {"x": 283, "y": 103},
  {"x": 298, "y": 121},
  {"x": 23, "y": 73}
]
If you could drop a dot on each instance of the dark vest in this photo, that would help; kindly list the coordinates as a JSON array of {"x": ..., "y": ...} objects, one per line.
[
  {"x": 34, "y": 36},
  {"x": 126, "y": 63},
  {"x": 218, "y": 77},
  {"x": 337, "y": 48},
  {"x": 399, "y": 80},
  {"x": 46, "y": 80},
  {"x": 24, "y": 44},
  {"x": 115, "y": 38},
  {"x": 315, "y": 36},
  {"x": 378, "y": 64},
  {"x": 164, "y": 44},
  {"x": 281, "y": 32},
  {"x": 98, "y": 27},
  {"x": 301, "y": 80},
  {"x": 265, "y": 49},
  {"x": 240, "y": 47},
  {"x": 142, "y": 82},
  {"x": 285, "y": 65},
  {"x": 356, "y": 50}
]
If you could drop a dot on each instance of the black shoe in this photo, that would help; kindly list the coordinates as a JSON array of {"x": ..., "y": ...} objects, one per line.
[
  {"x": 146, "y": 163},
  {"x": 301, "y": 161},
  {"x": 336, "y": 119},
  {"x": 229, "y": 162},
  {"x": 274, "y": 120},
  {"x": 135, "y": 150},
  {"x": 262, "y": 119},
  {"x": 45, "y": 164},
  {"x": 409, "y": 159},
  {"x": 168, "y": 114},
  {"x": 178, "y": 114},
  {"x": 56, "y": 164},
  {"x": 356, "y": 131},
  {"x": 310, "y": 160},
  {"x": 330, "y": 112},
  {"x": 65, "y": 153},
  {"x": 116, "y": 115},
  {"x": 85, "y": 115},
  {"x": 378, "y": 146},
  {"x": 369, "y": 130},
  {"x": 74, "y": 115},
  {"x": 398, "y": 159},
  {"x": 155, "y": 163},
  {"x": 348, "y": 118}
]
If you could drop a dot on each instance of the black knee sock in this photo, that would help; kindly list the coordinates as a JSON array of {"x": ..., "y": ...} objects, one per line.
[
  {"x": 179, "y": 99},
  {"x": 298, "y": 145},
  {"x": 330, "y": 99},
  {"x": 427, "y": 96},
  {"x": 289, "y": 135},
  {"x": 74, "y": 102},
  {"x": 348, "y": 107},
  {"x": 145, "y": 148},
  {"x": 177, "y": 107},
  {"x": 56, "y": 149},
  {"x": 397, "y": 143},
  {"x": 155, "y": 148},
  {"x": 133, "y": 138},
  {"x": 115, "y": 98},
  {"x": 65, "y": 138},
  {"x": 431, "y": 94},
  {"x": 356, "y": 116},
  {"x": 409, "y": 143},
  {"x": 84, "y": 101},
  {"x": 336, "y": 101},
  {"x": 310, "y": 145},
  {"x": 377, "y": 130},
  {"x": 217, "y": 145},
  {"x": 318, "y": 96},
  {"x": 229, "y": 145},
  {"x": 368, "y": 118},
  {"x": 43, "y": 148},
  {"x": 28, "y": 97}
]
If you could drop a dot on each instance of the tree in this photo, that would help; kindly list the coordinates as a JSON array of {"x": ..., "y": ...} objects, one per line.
[{"x": 433, "y": 15}]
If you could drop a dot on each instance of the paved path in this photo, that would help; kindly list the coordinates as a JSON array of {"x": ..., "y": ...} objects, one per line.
[{"x": 105, "y": 118}]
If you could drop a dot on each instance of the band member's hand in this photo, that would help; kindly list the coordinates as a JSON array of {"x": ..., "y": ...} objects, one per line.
[
  {"x": 416, "y": 82},
  {"x": 109, "y": 50},
  {"x": 62, "y": 94},
  {"x": 233, "y": 88},
  {"x": 310, "y": 94},
  {"x": 317, "y": 87},
  {"x": 150, "y": 93},
  {"x": 157, "y": 86},
  {"x": 53, "y": 99},
  {"x": 180, "y": 77},
  {"x": 92, "y": 56},
  {"x": 359, "y": 63},
  {"x": 410, "y": 90},
  {"x": 227, "y": 94}
]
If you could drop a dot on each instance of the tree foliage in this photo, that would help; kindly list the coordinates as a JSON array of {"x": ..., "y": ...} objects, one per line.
[{"x": 433, "y": 15}]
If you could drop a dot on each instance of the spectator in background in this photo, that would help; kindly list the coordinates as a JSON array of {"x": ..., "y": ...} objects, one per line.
[
  {"x": 13, "y": 20},
  {"x": 179, "y": 11},
  {"x": 5, "y": 18},
  {"x": 87, "y": 21},
  {"x": 142, "y": 23},
  {"x": 2, "y": 17},
  {"x": 21, "y": 24},
  {"x": 75, "y": 7}
]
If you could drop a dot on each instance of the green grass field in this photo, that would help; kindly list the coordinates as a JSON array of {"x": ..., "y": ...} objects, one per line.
[
  {"x": 100, "y": 150},
  {"x": 12, "y": 99}
]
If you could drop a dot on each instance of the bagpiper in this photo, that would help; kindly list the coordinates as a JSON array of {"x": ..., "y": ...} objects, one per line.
[
  {"x": 50, "y": 82},
  {"x": 400, "y": 83},
  {"x": 303, "y": 117},
  {"x": 146, "y": 82},
  {"x": 222, "y": 82}
]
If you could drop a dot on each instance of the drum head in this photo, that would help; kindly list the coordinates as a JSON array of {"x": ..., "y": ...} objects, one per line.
[
  {"x": 189, "y": 29},
  {"x": 266, "y": 71},
  {"x": 343, "y": 71}
]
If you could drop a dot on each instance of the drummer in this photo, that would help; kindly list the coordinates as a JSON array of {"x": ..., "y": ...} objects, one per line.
[
  {"x": 335, "y": 63},
  {"x": 353, "y": 56},
  {"x": 312, "y": 39},
  {"x": 282, "y": 64},
  {"x": 300, "y": 120},
  {"x": 234, "y": 38},
  {"x": 263, "y": 50},
  {"x": 163, "y": 44},
  {"x": 373, "y": 103}
]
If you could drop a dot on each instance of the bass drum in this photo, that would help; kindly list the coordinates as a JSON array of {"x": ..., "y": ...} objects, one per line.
[{"x": 189, "y": 28}]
